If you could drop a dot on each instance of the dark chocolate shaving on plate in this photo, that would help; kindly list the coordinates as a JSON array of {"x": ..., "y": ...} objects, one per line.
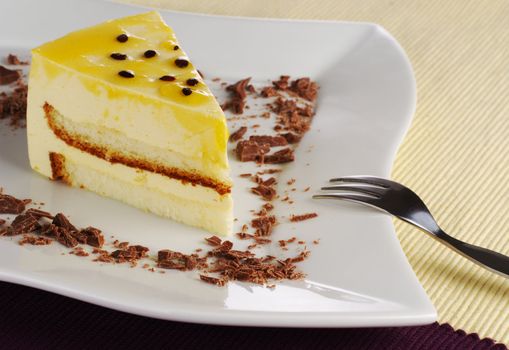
[
  {"x": 65, "y": 237},
  {"x": 305, "y": 88},
  {"x": 248, "y": 151},
  {"x": 302, "y": 87},
  {"x": 268, "y": 91},
  {"x": 93, "y": 236},
  {"x": 238, "y": 93},
  {"x": 272, "y": 141},
  {"x": 129, "y": 254},
  {"x": 11, "y": 205},
  {"x": 302, "y": 217},
  {"x": 212, "y": 280},
  {"x": 214, "y": 241},
  {"x": 263, "y": 225},
  {"x": 291, "y": 116},
  {"x": 237, "y": 135},
  {"x": 37, "y": 213},
  {"x": 168, "y": 259},
  {"x": 79, "y": 251},
  {"x": 266, "y": 192},
  {"x": 34, "y": 240},
  {"x": 8, "y": 76},
  {"x": 292, "y": 138},
  {"x": 61, "y": 220},
  {"x": 14, "y": 60},
  {"x": 23, "y": 223},
  {"x": 283, "y": 156}
]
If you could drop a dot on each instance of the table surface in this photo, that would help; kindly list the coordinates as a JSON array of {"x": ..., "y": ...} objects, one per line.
[{"x": 456, "y": 152}]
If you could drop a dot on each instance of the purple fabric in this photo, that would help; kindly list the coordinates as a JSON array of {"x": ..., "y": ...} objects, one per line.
[{"x": 33, "y": 319}]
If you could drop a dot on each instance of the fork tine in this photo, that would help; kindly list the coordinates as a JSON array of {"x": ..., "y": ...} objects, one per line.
[
  {"x": 371, "y": 201},
  {"x": 371, "y": 180},
  {"x": 372, "y": 191}
]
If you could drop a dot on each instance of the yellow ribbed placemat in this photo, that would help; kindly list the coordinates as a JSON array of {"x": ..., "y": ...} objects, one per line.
[{"x": 456, "y": 154}]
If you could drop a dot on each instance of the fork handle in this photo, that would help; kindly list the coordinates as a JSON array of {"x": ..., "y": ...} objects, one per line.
[{"x": 494, "y": 261}]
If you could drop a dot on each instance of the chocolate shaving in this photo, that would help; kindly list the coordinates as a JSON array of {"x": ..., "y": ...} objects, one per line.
[
  {"x": 272, "y": 141},
  {"x": 268, "y": 91},
  {"x": 269, "y": 182},
  {"x": 302, "y": 217},
  {"x": 168, "y": 259},
  {"x": 292, "y": 117},
  {"x": 266, "y": 192},
  {"x": 282, "y": 83},
  {"x": 244, "y": 235},
  {"x": 23, "y": 223},
  {"x": 283, "y": 156},
  {"x": 37, "y": 213},
  {"x": 248, "y": 151},
  {"x": 237, "y": 135},
  {"x": 65, "y": 237},
  {"x": 14, "y": 60},
  {"x": 302, "y": 87},
  {"x": 212, "y": 280},
  {"x": 305, "y": 88},
  {"x": 129, "y": 254},
  {"x": 8, "y": 76},
  {"x": 269, "y": 171},
  {"x": 237, "y": 101},
  {"x": 11, "y": 205},
  {"x": 292, "y": 138},
  {"x": 103, "y": 256},
  {"x": 61, "y": 220},
  {"x": 78, "y": 251},
  {"x": 34, "y": 240},
  {"x": 60, "y": 234},
  {"x": 213, "y": 241},
  {"x": 93, "y": 237},
  {"x": 263, "y": 225}
]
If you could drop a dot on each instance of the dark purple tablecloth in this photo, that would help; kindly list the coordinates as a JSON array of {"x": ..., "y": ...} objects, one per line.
[{"x": 35, "y": 319}]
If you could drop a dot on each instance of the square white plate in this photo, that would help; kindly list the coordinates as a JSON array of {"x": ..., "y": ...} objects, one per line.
[{"x": 357, "y": 275}]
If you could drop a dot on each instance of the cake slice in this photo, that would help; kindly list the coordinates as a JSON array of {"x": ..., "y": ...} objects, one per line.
[{"x": 120, "y": 110}]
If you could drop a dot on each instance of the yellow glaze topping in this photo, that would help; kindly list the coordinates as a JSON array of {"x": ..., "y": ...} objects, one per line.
[{"x": 89, "y": 51}]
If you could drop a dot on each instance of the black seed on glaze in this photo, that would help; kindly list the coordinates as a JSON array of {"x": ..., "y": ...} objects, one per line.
[
  {"x": 118, "y": 56},
  {"x": 181, "y": 63},
  {"x": 187, "y": 91},
  {"x": 122, "y": 38},
  {"x": 126, "y": 74},
  {"x": 192, "y": 82},
  {"x": 149, "y": 53},
  {"x": 167, "y": 78}
]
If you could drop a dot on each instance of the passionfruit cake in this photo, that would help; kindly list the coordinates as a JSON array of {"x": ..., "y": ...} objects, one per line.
[{"x": 120, "y": 110}]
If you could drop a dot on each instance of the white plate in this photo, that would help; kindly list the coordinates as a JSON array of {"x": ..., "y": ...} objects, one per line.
[{"x": 357, "y": 275}]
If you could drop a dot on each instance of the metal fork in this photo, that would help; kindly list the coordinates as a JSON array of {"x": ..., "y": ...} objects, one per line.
[{"x": 400, "y": 201}]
